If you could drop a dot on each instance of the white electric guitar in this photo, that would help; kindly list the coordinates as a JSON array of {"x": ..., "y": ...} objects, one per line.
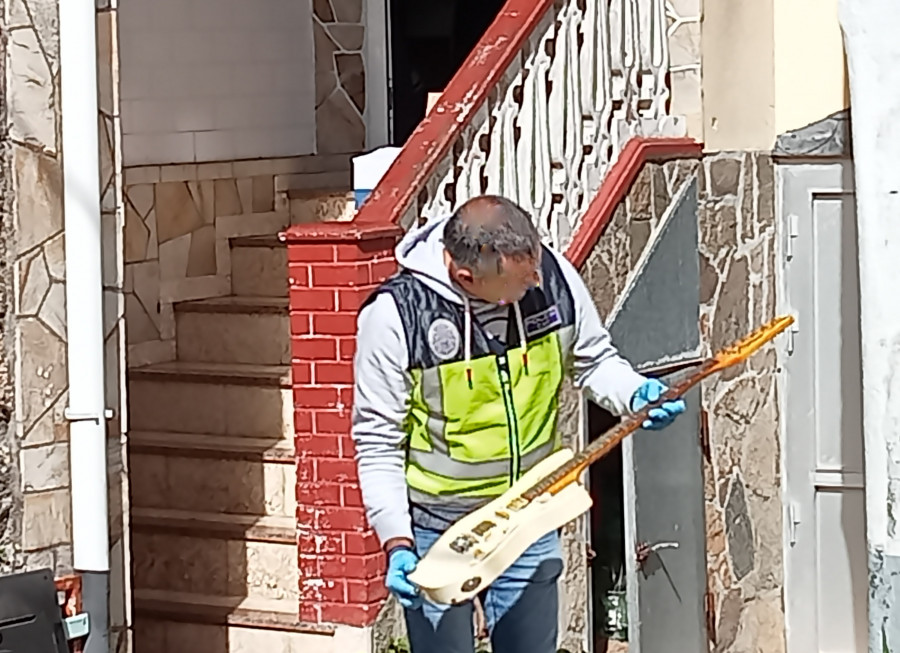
[{"x": 475, "y": 550}]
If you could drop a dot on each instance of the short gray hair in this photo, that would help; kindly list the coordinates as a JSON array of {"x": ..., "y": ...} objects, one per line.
[{"x": 487, "y": 229}]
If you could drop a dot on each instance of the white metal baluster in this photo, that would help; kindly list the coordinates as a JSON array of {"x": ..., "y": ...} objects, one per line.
[
  {"x": 436, "y": 203},
  {"x": 542, "y": 168},
  {"x": 506, "y": 135},
  {"x": 631, "y": 60},
  {"x": 659, "y": 57},
  {"x": 574, "y": 126},
  {"x": 471, "y": 160},
  {"x": 605, "y": 93},
  {"x": 525, "y": 122},
  {"x": 557, "y": 114}
]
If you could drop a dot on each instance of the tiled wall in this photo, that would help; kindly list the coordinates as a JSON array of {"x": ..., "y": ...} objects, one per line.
[{"x": 216, "y": 80}]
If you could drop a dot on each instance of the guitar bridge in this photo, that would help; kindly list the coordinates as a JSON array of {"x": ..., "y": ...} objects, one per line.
[{"x": 463, "y": 543}]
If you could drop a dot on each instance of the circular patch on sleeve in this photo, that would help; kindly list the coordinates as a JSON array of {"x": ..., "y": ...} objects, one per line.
[{"x": 443, "y": 338}]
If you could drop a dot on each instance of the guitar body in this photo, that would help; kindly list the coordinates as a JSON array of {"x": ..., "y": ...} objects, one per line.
[{"x": 478, "y": 548}]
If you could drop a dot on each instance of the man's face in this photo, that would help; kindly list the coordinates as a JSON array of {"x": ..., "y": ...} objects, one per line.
[{"x": 516, "y": 277}]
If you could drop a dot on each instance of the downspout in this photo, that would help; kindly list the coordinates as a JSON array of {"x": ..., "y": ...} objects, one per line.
[
  {"x": 870, "y": 30},
  {"x": 84, "y": 312}
]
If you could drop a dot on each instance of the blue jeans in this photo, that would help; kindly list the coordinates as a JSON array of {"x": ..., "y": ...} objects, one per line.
[{"x": 520, "y": 607}]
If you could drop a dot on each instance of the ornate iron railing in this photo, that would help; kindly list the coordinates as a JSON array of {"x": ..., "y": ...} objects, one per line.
[{"x": 538, "y": 113}]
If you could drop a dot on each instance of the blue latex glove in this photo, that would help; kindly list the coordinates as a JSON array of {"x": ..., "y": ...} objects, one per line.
[
  {"x": 662, "y": 416},
  {"x": 401, "y": 562}
]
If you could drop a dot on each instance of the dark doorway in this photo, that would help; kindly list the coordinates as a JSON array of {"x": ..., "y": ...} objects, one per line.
[
  {"x": 430, "y": 40},
  {"x": 607, "y": 568}
]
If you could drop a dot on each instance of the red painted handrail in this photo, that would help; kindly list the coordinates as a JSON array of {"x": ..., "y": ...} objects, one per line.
[
  {"x": 617, "y": 183},
  {"x": 466, "y": 93}
]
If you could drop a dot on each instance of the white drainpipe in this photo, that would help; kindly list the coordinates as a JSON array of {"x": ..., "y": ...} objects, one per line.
[{"x": 84, "y": 312}]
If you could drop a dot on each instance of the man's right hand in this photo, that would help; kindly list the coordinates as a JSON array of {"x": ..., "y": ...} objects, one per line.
[{"x": 402, "y": 561}]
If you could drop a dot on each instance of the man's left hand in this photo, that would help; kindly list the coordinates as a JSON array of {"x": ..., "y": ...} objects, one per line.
[{"x": 664, "y": 414}]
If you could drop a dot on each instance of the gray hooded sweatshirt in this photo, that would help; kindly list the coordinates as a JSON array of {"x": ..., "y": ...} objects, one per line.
[{"x": 383, "y": 381}]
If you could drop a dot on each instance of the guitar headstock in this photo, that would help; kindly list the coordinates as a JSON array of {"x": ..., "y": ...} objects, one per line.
[{"x": 746, "y": 347}]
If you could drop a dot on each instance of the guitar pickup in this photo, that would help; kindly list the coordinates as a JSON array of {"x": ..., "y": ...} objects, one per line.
[
  {"x": 517, "y": 504},
  {"x": 483, "y": 528}
]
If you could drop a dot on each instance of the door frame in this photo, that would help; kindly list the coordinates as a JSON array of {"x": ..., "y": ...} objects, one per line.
[
  {"x": 629, "y": 496},
  {"x": 826, "y": 176},
  {"x": 377, "y": 62}
]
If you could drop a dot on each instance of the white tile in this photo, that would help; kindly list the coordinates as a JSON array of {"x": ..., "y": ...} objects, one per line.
[
  {"x": 214, "y": 145},
  {"x": 145, "y": 116},
  {"x": 135, "y": 14},
  {"x": 214, "y": 80},
  {"x": 234, "y": 112},
  {"x": 273, "y": 50},
  {"x": 192, "y": 115},
  {"x": 145, "y": 48},
  {"x": 251, "y": 14},
  {"x": 228, "y": 46},
  {"x": 148, "y": 149},
  {"x": 138, "y": 83},
  {"x": 296, "y": 140},
  {"x": 169, "y": 13},
  {"x": 221, "y": 14},
  {"x": 254, "y": 79},
  {"x": 173, "y": 81}
]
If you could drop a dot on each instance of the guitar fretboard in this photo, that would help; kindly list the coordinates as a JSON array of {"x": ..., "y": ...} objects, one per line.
[{"x": 571, "y": 471}]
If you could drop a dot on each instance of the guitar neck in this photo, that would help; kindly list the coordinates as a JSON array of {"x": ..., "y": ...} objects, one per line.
[{"x": 571, "y": 471}]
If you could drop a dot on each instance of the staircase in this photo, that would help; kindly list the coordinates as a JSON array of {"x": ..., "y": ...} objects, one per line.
[
  {"x": 213, "y": 467},
  {"x": 539, "y": 113}
]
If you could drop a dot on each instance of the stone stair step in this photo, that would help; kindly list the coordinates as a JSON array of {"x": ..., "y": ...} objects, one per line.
[
  {"x": 182, "y": 551},
  {"x": 212, "y": 398},
  {"x": 274, "y": 529},
  {"x": 234, "y": 330},
  {"x": 199, "y": 623},
  {"x": 240, "y": 474},
  {"x": 179, "y": 635},
  {"x": 259, "y": 266},
  {"x": 198, "y": 445}
]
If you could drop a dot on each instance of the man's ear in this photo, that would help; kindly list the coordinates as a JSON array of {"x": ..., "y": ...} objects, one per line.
[{"x": 464, "y": 275}]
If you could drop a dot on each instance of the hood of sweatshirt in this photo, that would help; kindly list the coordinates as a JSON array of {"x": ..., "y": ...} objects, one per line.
[{"x": 421, "y": 252}]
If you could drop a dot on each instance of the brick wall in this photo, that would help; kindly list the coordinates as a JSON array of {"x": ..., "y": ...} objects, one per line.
[{"x": 332, "y": 269}]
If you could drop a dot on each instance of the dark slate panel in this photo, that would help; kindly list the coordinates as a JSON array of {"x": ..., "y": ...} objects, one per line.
[{"x": 659, "y": 320}]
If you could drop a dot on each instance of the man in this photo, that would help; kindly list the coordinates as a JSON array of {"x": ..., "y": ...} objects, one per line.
[{"x": 459, "y": 362}]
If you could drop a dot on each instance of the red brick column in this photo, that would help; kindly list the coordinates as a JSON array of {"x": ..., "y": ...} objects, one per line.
[{"x": 332, "y": 269}]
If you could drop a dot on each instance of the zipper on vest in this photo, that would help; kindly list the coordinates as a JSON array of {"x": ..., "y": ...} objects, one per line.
[{"x": 515, "y": 462}]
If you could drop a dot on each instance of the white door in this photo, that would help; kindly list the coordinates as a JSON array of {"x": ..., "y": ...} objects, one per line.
[{"x": 825, "y": 525}]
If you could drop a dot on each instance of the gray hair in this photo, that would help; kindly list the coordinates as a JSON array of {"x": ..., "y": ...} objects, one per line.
[{"x": 487, "y": 229}]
